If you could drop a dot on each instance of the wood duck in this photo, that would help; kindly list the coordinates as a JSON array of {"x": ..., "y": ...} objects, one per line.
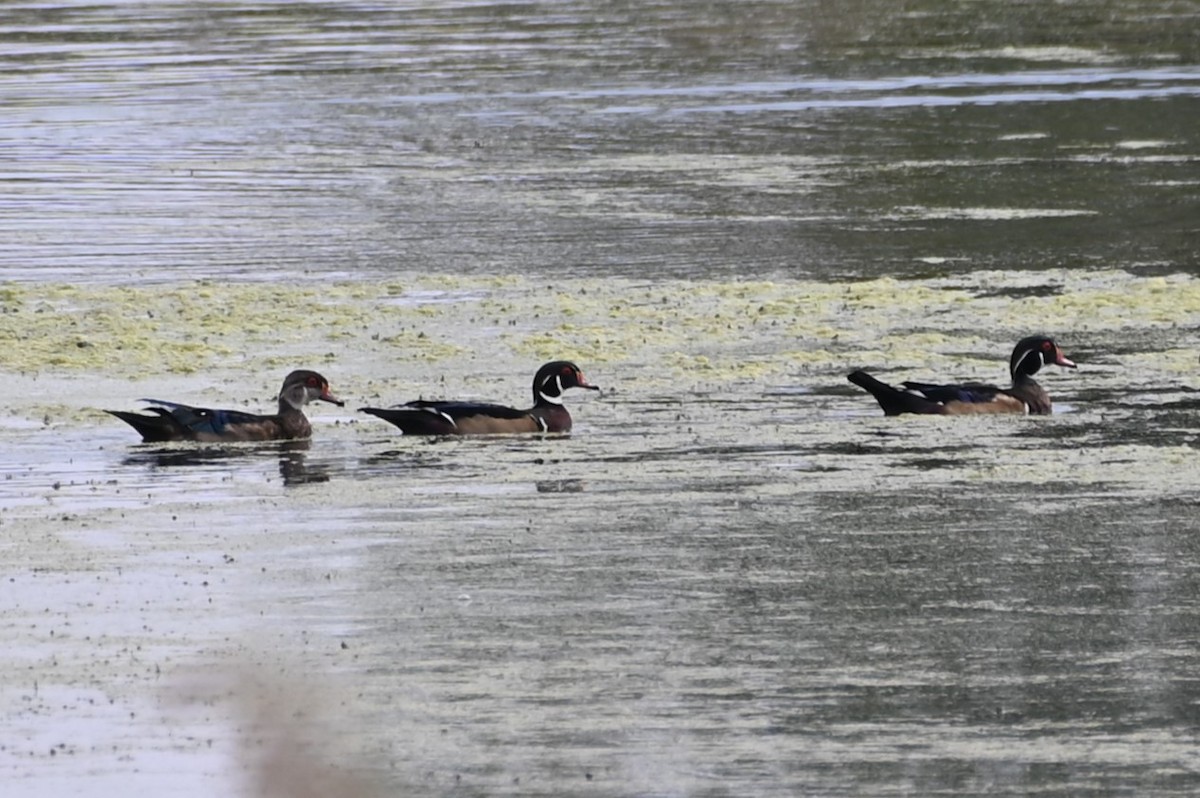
[
  {"x": 479, "y": 418},
  {"x": 172, "y": 421},
  {"x": 1025, "y": 395}
]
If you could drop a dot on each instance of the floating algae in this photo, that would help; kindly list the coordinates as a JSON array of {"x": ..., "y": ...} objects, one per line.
[{"x": 414, "y": 329}]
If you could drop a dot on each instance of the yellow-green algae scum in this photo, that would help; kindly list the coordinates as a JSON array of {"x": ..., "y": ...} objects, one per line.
[{"x": 484, "y": 336}]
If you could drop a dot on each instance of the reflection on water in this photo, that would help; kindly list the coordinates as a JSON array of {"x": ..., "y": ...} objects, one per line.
[
  {"x": 216, "y": 458},
  {"x": 725, "y": 581},
  {"x": 561, "y": 486},
  {"x": 295, "y": 468}
]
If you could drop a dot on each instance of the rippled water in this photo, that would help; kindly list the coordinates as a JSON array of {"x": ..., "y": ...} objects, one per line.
[
  {"x": 768, "y": 138},
  {"x": 735, "y": 577}
]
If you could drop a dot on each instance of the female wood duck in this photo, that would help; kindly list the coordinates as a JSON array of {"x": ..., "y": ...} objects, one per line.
[
  {"x": 479, "y": 418},
  {"x": 171, "y": 421},
  {"x": 1025, "y": 395}
]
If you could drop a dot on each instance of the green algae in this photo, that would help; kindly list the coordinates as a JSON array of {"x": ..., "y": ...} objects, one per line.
[{"x": 702, "y": 329}]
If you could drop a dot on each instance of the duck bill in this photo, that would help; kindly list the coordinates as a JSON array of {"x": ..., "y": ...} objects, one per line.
[
  {"x": 1061, "y": 360},
  {"x": 581, "y": 382},
  {"x": 326, "y": 396}
]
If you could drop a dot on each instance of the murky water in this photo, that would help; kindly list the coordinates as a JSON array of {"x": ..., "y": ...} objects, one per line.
[{"x": 735, "y": 577}]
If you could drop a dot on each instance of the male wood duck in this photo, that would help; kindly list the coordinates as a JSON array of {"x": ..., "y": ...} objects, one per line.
[
  {"x": 1025, "y": 395},
  {"x": 172, "y": 421},
  {"x": 479, "y": 418}
]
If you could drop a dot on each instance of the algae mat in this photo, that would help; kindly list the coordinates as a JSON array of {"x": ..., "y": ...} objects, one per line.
[{"x": 408, "y": 334}]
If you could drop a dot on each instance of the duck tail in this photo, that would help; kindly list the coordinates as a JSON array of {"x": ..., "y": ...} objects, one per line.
[
  {"x": 157, "y": 428},
  {"x": 893, "y": 400}
]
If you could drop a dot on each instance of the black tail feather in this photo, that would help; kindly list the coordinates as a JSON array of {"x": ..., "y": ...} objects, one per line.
[
  {"x": 893, "y": 400},
  {"x": 157, "y": 428}
]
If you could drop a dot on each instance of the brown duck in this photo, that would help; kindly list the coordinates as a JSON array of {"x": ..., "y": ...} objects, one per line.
[
  {"x": 1025, "y": 395},
  {"x": 172, "y": 421},
  {"x": 480, "y": 418}
]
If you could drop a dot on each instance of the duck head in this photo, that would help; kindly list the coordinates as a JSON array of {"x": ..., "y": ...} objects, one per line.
[
  {"x": 1031, "y": 353},
  {"x": 302, "y": 386},
  {"x": 554, "y": 378}
]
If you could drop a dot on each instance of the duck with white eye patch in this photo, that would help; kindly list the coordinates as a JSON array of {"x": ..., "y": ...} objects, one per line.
[
  {"x": 1025, "y": 395},
  {"x": 482, "y": 418}
]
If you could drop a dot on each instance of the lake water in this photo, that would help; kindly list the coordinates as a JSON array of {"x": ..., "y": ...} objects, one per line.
[{"x": 735, "y": 577}]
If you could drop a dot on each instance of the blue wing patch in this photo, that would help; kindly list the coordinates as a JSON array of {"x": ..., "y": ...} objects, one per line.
[{"x": 202, "y": 420}]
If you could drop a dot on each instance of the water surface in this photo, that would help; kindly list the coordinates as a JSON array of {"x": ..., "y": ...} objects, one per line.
[{"x": 735, "y": 577}]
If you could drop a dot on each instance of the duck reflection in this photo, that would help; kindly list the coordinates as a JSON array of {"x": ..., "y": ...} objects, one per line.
[
  {"x": 294, "y": 467},
  {"x": 561, "y": 486}
]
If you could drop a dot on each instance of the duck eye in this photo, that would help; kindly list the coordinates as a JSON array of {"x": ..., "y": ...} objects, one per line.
[
  {"x": 1047, "y": 346},
  {"x": 312, "y": 382}
]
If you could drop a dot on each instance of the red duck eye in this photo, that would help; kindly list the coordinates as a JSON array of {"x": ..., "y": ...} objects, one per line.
[
  {"x": 1047, "y": 346},
  {"x": 313, "y": 382}
]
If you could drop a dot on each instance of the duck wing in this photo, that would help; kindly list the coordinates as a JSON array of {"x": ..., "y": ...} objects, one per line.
[
  {"x": 455, "y": 418},
  {"x": 204, "y": 423},
  {"x": 968, "y": 393}
]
